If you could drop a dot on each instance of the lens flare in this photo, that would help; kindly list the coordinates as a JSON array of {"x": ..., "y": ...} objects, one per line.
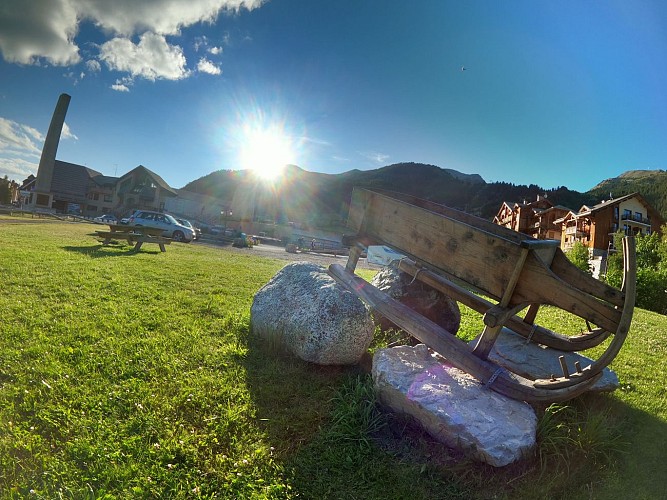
[{"x": 265, "y": 151}]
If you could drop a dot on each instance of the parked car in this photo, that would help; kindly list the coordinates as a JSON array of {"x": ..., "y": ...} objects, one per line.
[
  {"x": 106, "y": 219},
  {"x": 171, "y": 227},
  {"x": 187, "y": 223}
]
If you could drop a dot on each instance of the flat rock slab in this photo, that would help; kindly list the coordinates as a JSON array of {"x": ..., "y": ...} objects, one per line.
[
  {"x": 453, "y": 406},
  {"x": 533, "y": 360}
]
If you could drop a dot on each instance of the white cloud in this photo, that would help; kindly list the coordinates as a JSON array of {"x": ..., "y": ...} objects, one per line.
[
  {"x": 152, "y": 58},
  {"x": 21, "y": 148},
  {"x": 31, "y": 31},
  {"x": 201, "y": 42},
  {"x": 17, "y": 169},
  {"x": 38, "y": 31},
  {"x": 122, "y": 85},
  {"x": 17, "y": 139},
  {"x": 166, "y": 17},
  {"x": 206, "y": 66},
  {"x": 93, "y": 66},
  {"x": 375, "y": 156},
  {"x": 67, "y": 133}
]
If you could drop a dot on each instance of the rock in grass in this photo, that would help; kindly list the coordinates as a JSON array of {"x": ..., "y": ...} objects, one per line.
[
  {"x": 427, "y": 301},
  {"x": 306, "y": 311},
  {"x": 453, "y": 406},
  {"x": 533, "y": 360}
]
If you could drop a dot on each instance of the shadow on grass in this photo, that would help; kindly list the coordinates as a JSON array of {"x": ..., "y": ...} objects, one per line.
[
  {"x": 332, "y": 439},
  {"x": 105, "y": 251},
  {"x": 599, "y": 448}
]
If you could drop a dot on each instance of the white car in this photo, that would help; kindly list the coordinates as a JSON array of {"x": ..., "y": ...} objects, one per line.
[
  {"x": 106, "y": 219},
  {"x": 171, "y": 228}
]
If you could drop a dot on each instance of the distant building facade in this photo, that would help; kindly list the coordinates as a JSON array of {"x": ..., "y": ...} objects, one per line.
[
  {"x": 535, "y": 218},
  {"x": 76, "y": 189},
  {"x": 595, "y": 226}
]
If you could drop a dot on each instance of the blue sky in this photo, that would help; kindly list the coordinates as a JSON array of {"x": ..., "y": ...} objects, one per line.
[{"x": 553, "y": 92}]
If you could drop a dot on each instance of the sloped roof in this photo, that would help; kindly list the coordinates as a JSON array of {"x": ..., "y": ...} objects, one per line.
[
  {"x": 105, "y": 180},
  {"x": 606, "y": 203},
  {"x": 70, "y": 178},
  {"x": 158, "y": 180},
  {"x": 570, "y": 214}
]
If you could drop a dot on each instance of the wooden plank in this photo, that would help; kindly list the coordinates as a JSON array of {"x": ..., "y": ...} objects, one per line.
[
  {"x": 360, "y": 196},
  {"x": 353, "y": 258},
  {"x": 475, "y": 256},
  {"x": 537, "y": 333},
  {"x": 568, "y": 272},
  {"x": 541, "y": 285},
  {"x": 491, "y": 332},
  {"x": 457, "y": 352}
]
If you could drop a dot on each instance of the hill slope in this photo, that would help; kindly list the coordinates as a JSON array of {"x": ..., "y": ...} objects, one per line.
[
  {"x": 323, "y": 199},
  {"x": 652, "y": 184}
]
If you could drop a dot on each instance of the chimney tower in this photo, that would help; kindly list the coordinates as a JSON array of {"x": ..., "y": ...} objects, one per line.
[{"x": 42, "y": 196}]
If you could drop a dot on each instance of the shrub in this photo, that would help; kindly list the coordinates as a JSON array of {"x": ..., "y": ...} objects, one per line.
[{"x": 579, "y": 256}]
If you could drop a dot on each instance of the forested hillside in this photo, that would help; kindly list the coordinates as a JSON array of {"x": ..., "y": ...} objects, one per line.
[
  {"x": 323, "y": 199},
  {"x": 652, "y": 184}
]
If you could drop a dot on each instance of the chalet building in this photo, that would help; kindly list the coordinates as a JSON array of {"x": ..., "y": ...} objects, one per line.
[
  {"x": 534, "y": 218},
  {"x": 595, "y": 226}
]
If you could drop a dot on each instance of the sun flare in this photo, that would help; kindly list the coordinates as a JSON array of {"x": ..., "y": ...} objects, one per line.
[{"x": 265, "y": 152}]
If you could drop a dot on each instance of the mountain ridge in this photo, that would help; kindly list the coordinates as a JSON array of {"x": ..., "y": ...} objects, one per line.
[{"x": 303, "y": 195}]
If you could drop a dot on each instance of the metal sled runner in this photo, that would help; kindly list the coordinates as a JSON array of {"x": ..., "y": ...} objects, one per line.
[{"x": 498, "y": 273}]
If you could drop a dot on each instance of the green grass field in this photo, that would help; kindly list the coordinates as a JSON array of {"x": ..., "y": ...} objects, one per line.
[{"x": 136, "y": 376}]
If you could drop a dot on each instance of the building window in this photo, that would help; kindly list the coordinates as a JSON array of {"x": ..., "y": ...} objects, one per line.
[
  {"x": 638, "y": 216},
  {"x": 627, "y": 214},
  {"x": 616, "y": 212},
  {"x": 91, "y": 208},
  {"x": 42, "y": 199},
  {"x": 108, "y": 198}
]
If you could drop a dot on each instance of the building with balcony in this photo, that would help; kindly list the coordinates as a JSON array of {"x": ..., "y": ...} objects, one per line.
[
  {"x": 595, "y": 226},
  {"x": 534, "y": 218}
]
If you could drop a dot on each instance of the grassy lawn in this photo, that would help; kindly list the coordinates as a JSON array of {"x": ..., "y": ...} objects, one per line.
[{"x": 136, "y": 376}]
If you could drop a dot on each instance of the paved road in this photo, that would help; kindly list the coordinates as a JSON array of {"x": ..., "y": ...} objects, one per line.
[{"x": 278, "y": 252}]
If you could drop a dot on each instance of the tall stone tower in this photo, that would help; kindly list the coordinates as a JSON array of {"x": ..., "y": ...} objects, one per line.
[{"x": 42, "y": 196}]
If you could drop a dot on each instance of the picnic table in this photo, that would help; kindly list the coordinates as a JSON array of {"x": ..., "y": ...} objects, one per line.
[{"x": 137, "y": 235}]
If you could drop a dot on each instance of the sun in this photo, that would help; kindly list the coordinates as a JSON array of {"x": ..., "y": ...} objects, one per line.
[{"x": 265, "y": 151}]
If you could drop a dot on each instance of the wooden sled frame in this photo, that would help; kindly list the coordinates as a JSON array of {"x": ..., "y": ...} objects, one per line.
[{"x": 455, "y": 252}]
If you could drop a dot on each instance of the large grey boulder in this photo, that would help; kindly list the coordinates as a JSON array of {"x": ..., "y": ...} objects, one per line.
[
  {"x": 423, "y": 299},
  {"x": 306, "y": 311},
  {"x": 533, "y": 360},
  {"x": 453, "y": 406}
]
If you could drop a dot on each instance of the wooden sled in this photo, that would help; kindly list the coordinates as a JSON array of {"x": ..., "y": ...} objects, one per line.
[{"x": 469, "y": 258}]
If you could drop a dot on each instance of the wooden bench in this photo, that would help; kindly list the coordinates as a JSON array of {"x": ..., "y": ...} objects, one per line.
[{"x": 137, "y": 235}]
